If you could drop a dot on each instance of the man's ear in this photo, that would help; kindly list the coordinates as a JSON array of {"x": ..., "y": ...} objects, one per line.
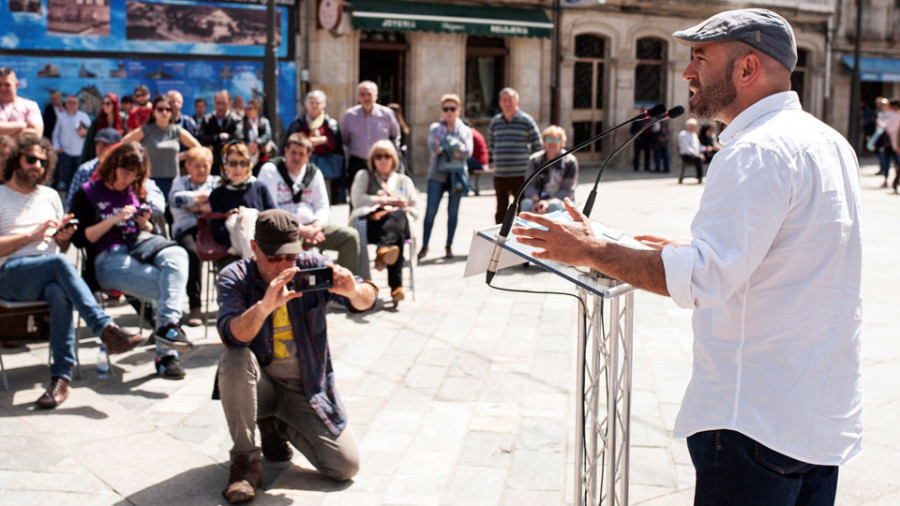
[{"x": 748, "y": 69}]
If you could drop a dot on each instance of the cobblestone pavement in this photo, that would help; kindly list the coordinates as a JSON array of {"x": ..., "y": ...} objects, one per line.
[{"x": 465, "y": 396}]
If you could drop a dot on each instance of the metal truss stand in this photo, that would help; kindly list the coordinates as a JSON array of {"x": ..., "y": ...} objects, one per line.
[{"x": 603, "y": 409}]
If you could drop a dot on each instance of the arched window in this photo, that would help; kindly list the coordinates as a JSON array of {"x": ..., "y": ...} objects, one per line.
[
  {"x": 649, "y": 74},
  {"x": 588, "y": 90}
]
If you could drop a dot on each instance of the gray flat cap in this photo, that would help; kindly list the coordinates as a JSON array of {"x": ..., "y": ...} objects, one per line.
[{"x": 759, "y": 28}]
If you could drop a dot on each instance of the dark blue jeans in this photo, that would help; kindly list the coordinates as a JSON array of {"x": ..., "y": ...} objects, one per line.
[
  {"x": 54, "y": 279},
  {"x": 436, "y": 191},
  {"x": 733, "y": 469}
]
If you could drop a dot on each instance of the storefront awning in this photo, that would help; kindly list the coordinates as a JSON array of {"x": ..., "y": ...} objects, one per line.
[
  {"x": 404, "y": 16},
  {"x": 886, "y": 70}
]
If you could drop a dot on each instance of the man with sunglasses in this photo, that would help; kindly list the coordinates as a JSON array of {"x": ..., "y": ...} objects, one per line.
[
  {"x": 18, "y": 115},
  {"x": 276, "y": 371},
  {"x": 298, "y": 187},
  {"x": 34, "y": 233},
  {"x": 140, "y": 113}
]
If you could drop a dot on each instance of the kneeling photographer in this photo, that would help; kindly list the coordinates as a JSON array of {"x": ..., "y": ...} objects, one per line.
[{"x": 276, "y": 370}]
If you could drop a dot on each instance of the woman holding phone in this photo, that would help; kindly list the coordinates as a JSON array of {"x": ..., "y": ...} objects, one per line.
[{"x": 111, "y": 214}]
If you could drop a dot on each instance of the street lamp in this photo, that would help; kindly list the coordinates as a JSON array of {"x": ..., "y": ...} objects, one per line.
[{"x": 270, "y": 73}]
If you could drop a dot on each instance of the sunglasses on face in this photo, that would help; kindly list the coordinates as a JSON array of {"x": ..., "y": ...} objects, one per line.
[
  {"x": 554, "y": 140},
  {"x": 382, "y": 156},
  {"x": 238, "y": 163},
  {"x": 452, "y": 108},
  {"x": 33, "y": 160},
  {"x": 163, "y": 109},
  {"x": 107, "y": 102},
  {"x": 277, "y": 259}
]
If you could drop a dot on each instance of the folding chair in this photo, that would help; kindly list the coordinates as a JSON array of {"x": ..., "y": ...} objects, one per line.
[
  {"x": 209, "y": 251},
  {"x": 363, "y": 270}
]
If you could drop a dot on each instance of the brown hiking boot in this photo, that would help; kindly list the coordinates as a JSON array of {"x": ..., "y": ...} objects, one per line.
[
  {"x": 243, "y": 479},
  {"x": 274, "y": 446},
  {"x": 117, "y": 340},
  {"x": 386, "y": 255},
  {"x": 57, "y": 392}
]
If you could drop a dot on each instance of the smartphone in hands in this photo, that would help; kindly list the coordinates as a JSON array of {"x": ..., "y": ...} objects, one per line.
[{"x": 312, "y": 280}]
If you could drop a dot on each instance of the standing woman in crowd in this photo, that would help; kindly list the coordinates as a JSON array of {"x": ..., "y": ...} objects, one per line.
[
  {"x": 162, "y": 139},
  {"x": 328, "y": 146},
  {"x": 110, "y": 116},
  {"x": 389, "y": 201},
  {"x": 450, "y": 131},
  {"x": 257, "y": 130},
  {"x": 111, "y": 215}
]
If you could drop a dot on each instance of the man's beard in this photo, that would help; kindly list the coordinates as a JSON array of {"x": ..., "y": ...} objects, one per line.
[
  {"x": 26, "y": 178},
  {"x": 714, "y": 97}
]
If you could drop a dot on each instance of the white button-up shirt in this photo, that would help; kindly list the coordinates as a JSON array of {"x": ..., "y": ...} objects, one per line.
[{"x": 773, "y": 273}]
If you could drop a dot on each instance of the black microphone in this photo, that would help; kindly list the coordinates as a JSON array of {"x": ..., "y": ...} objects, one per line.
[
  {"x": 666, "y": 115},
  {"x": 513, "y": 210}
]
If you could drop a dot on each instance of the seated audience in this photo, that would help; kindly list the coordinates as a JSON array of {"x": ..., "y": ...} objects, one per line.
[
  {"x": 389, "y": 202},
  {"x": 34, "y": 235},
  {"x": 112, "y": 215},
  {"x": 187, "y": 201},
  {"x": 546, "y": 192}
]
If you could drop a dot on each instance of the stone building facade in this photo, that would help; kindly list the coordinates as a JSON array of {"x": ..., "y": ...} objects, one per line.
[{"x": 614, "y": 58}]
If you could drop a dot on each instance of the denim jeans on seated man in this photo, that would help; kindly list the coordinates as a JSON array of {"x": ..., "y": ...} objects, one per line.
[
  {"x": 55, "y": 280},
  {"x": 164, "y": 280}
]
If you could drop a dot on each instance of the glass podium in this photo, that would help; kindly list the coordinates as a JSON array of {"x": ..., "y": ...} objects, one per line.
[{"x": 604, "y": 360}]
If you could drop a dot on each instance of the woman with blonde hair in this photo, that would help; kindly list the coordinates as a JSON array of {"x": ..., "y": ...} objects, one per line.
[
  {"x": 389, "y": 202},
  {"x": 449, "y": 140}
]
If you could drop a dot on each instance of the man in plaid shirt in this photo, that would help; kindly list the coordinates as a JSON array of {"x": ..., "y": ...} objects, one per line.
[{"x": 276, "y": 370}]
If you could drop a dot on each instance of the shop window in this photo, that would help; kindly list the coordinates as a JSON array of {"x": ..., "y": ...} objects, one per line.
[
  {"x": 588, "y": 86},
  {"x": 649, "y": 75},
  {"x": 485, "y": 76},
  {"x": 382, "y": 57},
  {"x": 798, "y": 77}
]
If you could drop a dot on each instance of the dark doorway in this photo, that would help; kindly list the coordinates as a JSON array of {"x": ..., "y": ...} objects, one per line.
[{"x": 382, "y": 60}]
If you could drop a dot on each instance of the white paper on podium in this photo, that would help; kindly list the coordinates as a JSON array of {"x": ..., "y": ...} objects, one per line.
[{"x": 481, "y": 249}]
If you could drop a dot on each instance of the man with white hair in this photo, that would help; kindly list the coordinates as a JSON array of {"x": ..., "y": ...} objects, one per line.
[
  {"x": 513, "y": 136},
  {"x": 365, "y": 124},
  {"x": 328, "y": 144},
  {"x": 689, "y": 148}
]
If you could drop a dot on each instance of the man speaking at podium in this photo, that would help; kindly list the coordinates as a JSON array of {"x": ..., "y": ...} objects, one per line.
[{"x": 772, "y": 272}]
